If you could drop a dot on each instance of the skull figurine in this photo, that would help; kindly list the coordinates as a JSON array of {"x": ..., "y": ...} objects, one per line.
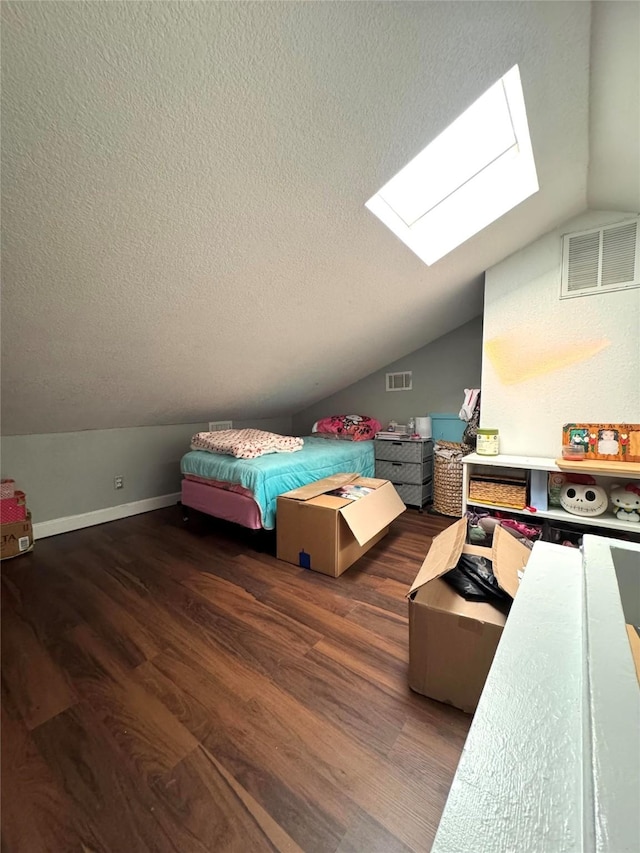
[{"x": 587, "y": 500}]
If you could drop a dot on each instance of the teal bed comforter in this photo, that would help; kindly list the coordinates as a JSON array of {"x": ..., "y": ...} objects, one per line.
[{"x": 269, "y": 476}]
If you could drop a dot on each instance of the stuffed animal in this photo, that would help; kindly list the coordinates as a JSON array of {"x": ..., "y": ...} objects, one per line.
[
  {"x": 477, "y": 536},
  {"x": 626, "y": 500},
  {"x": 489, "y": 524},
  {"x": 587, "y": 500},
  {"x": 519, "y": 528}
]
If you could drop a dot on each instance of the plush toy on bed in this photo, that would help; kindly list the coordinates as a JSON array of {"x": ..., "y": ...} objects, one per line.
[
  {"x": 350, "y": 427},
  {"x": 626, "y": 501}
]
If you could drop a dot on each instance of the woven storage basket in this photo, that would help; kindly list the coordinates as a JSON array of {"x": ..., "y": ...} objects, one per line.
[
  {"x": 509, "y": 494},
  {"x": 447, "y": 477}
]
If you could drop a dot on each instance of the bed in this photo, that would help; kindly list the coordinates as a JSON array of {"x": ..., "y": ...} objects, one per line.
[{"x": 245, "y": 490}]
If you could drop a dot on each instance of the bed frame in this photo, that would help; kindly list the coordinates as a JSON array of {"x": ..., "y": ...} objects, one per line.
[{"x": 220, "y": 503}]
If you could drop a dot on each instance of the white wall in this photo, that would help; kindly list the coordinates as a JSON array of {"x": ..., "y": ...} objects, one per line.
[
  {"x": 614, "y": 106},
  {"x": 522, "y": 306},
  {"x": 70, "y": 473},
  {"x": 441, "y": 371}
]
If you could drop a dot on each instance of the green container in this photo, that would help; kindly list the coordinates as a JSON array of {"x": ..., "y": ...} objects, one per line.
[{"x": 488, "y": 442}]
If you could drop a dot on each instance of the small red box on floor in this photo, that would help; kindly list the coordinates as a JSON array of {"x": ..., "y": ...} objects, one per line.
[{"x": 13, "y": 509}]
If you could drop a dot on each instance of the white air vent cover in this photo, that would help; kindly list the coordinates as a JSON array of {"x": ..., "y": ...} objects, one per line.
[
  {"x": 399, "y": 381},
  {"x": 216, "y": 426},
  {"x": 601, "y": 259}
]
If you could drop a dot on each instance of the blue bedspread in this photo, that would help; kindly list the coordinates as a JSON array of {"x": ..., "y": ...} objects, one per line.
[{"x": 269, "y": 476}]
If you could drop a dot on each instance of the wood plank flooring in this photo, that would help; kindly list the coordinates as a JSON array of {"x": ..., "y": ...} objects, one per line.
[{"x": 176, "y": 688}]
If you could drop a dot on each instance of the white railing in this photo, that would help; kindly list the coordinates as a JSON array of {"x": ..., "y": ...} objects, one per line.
[{"x": 552, "y": 760}]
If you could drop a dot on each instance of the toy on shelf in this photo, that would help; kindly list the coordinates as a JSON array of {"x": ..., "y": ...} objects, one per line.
[
  {"x": 558, "y": 480},
  {"x": 626, "y": 502},
  {"x": 573, "y": 452},
  {"x": 586, "y": 500},
  {"x": 481, "y": 527},
  {"x": 609, "y": 442}
]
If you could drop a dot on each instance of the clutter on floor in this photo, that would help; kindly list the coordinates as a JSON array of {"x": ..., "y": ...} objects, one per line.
[
  {"x": 327, "y": 525},
  {"x": 458, "y": 606},
  {"x": 16, "y": 531}
]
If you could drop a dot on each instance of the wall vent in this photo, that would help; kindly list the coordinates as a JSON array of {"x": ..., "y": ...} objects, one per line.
[
  {"x": 399, "y": 381},
  {"x": 601, "y": 259},
  {"x": 216, "y": 426}
]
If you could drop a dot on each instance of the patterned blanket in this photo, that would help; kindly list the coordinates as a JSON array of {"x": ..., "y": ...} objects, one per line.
[{"x": 245, "y": 443}]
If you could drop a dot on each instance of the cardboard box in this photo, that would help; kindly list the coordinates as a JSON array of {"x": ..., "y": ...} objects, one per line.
[
  {"x": 327, "y": 532},
  {"x": 16, "y": 538},
  {"x": 452, "y": 641}
]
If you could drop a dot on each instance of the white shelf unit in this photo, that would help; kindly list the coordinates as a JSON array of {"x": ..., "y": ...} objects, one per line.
[{"x": 541, "y": 463}]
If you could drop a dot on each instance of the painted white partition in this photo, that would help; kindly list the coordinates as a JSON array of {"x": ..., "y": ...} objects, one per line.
[
  {"x": 552, "y": 760},
  {"x": 612, "y": 584}
]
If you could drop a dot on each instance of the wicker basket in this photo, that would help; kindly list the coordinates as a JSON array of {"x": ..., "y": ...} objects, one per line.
[
  {"x": 511, "y": 494},
  {"x": 447, "y": 477}
]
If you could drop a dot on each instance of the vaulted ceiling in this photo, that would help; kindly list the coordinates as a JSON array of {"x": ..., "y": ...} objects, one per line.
[{"x": 184, "y": 230}]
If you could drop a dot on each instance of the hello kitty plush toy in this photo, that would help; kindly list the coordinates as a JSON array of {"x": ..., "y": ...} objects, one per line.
[{"x": 626, "y": 501}]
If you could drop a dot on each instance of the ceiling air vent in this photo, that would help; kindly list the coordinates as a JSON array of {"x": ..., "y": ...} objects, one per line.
[
  {"x": 399, "y": 381},
  {"x": 601, "y": 259}
]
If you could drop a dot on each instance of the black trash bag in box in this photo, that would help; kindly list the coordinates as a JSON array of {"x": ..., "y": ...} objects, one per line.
[{"x": 474, "y": 580}]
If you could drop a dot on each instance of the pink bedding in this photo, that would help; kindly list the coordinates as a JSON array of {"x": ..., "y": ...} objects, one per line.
[
  {"x": 245, "y": 443},
  {"x": 355, "y": 427}
]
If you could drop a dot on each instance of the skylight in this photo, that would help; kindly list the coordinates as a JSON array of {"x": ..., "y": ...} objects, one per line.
[{"x": 475, "y": 171}]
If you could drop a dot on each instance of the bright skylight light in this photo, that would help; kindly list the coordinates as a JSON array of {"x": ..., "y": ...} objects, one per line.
[{"x": 477, "y": 169}]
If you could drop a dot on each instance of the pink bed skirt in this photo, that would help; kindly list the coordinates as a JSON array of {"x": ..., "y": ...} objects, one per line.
[{"x": 221, "y": 503}]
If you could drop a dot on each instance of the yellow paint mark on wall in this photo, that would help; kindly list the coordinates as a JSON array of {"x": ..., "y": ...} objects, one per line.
[{"x": 516, "y": 360}]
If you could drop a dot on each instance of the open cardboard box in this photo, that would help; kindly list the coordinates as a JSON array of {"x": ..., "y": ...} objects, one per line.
[
  {"x": 16, "y": 538},
  {"x": 328, "y": 533},
  {"x": 452, "y": 641}
]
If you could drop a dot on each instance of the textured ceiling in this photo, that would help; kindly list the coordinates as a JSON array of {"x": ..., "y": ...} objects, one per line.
[{"x": 184, "y": 230}]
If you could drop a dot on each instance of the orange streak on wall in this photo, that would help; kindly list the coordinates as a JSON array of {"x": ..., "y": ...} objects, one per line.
[{"x": 515, "y": 361}]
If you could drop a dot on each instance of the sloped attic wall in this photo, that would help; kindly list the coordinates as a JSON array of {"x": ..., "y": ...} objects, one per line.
[
  {"x": 184, "y": 230},
  {"x": 441, "y": 371}
]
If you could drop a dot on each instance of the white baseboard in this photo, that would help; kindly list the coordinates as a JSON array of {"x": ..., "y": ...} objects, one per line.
[{"x": 99, "y": 516}]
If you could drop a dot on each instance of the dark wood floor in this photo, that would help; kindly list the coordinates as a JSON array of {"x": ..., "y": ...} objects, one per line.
[{"x": 176, "y": 689}]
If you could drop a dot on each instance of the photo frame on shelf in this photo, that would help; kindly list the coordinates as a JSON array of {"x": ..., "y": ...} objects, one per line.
[{"x": 606, "y": 442}]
